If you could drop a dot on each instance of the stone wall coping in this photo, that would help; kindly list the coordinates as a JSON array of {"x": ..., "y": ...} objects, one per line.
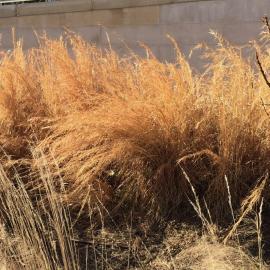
[{"x": 68, "y": 6}]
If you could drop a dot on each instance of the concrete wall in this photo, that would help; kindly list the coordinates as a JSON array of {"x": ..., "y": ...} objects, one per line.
[{"x": 128, "y": 22}]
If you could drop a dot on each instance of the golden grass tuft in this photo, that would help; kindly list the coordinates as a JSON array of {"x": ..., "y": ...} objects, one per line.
[
  {"x": 82, "y": 128},
  {"x": 142, "y": 120},
  {"x": 119, "y": 129}
]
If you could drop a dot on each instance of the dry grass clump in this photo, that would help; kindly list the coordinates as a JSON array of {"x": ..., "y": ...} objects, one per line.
[
  {"x": 34, "y": 237},
  {"x": 129, "y": 144},
  {"x": 106, "y": 135},
  {"x": 234, "y": 94},
  {"x": 20, "y": 101},
  {"x": 151, "y": 119},
  {"x": 120, "y": 130},
  {"x": 205, "y": 255}
]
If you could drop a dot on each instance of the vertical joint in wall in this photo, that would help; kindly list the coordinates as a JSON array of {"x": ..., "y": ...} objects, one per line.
[{"x": 91, "y": 4}]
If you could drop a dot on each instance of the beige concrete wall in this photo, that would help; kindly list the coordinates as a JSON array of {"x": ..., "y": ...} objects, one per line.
[{"x": 127, "y": 22}]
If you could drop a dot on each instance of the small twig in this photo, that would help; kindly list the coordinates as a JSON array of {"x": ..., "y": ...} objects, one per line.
[
  {"x": 262, "y": 70},
  {"x": 253, "y": 198},
  {"x": 91, "y": 243},
  {"x": 81, "y": 241},
  {"x": 266, "y": 22},
  {"x": 265, "y": 108}
]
